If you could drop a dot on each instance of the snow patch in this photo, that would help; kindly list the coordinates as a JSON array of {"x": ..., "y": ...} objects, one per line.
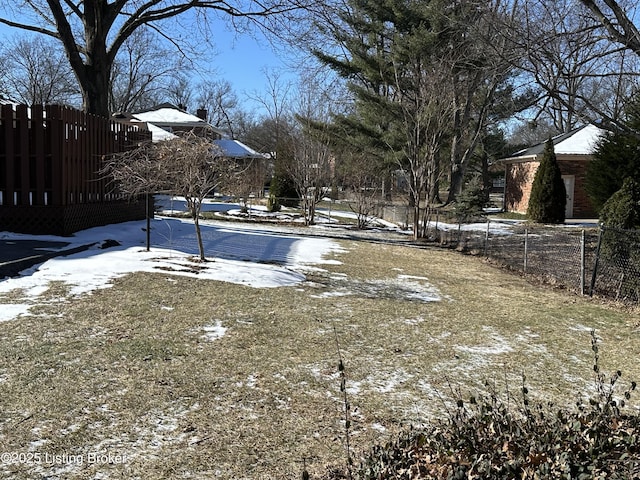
[
  {"x": 10, "y": 311},
  {"x": 378, "y": 427},
  {"x": 247, "y": 256},
  {"x": 214, "y": 332}
]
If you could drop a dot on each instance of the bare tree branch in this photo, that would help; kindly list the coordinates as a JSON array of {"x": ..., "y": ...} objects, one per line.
[{"x": 92, "y": 32}]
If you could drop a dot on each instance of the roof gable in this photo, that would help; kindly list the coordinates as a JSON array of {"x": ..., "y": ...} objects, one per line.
[{"x": 581, "y": 141}]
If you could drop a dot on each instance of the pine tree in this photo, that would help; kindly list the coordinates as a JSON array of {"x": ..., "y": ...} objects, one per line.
[
  {"x": 548, "y": 195},
  {"x": 399, "y": 80},
  {"x": 620, "y": 214},
  {"x": 472, "y": 199}
]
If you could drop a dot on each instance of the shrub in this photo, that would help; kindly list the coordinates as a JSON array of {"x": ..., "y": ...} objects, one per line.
[
  {"x": 622, "y": 210},
  {"x": 488, "y": 438},
  {"x": 548, "y": 195},
  {"x": 471, "y": 200},
  {"x": 616, "y": 156},
  {"x": 282, "y": 192}
]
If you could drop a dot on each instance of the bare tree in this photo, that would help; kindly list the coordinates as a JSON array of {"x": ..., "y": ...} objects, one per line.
[
  {"x": 248, "y": 182},
  {"x": 189, "y": 165},
  {"x": 579, "y": 64},
  {"x": 425, "y": 115},
  {"x": 92, "y": 32},
  {"x": 194, "y": 168},
  {"x": 275, "y": 136},
  {"x": 311, "y": 167},
  {"x": 180, "y": 91},
  {"x": 617, "y": 20},
  {"x": 221, "y": 104},
  {"x": 35, "y": 72},
  {"x": 143, "y": 66},
  {"x": 135, "y": 173},
  {"x": 362, "y": 183},
  {"x": 478, "y": 71},
  {"x": 310, "y": 170}
]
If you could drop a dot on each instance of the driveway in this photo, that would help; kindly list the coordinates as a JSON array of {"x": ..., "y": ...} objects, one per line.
[{"x": 17, "y": 255}]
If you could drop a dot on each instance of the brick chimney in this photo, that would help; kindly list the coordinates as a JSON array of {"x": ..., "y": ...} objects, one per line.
[{"x": 201, "y": 113}]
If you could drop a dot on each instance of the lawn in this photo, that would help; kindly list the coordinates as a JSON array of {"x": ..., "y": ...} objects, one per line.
[{"x": 162, "y": 376}]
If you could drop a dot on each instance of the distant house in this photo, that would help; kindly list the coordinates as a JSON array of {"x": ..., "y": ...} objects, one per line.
[
  {"x": 166, "y": 121},
  {"x": 573, "y": 151}
]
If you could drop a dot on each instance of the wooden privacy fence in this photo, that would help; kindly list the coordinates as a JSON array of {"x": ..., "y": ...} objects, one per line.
[{"x": 50, "y": 161}]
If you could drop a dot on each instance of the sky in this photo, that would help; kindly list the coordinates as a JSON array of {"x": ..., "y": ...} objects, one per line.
[{"x": 245, "y": 60}]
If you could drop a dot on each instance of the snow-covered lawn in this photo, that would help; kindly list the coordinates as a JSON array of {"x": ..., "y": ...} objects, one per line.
[{"x": 246, "y": 256}]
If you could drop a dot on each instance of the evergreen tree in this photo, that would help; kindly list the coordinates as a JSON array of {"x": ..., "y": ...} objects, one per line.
[
  {"x": 548, "y": 195},
  {"x": 424, "y": 86},
  {"x": 616, "y": 156},
  {"x": 472, "y": 199},
  {"x": 282, "y": 190},
  {"x": 398, "y": 79},
  {"x": 622, "y": 210},
  {"x": 619, "y": 215}
]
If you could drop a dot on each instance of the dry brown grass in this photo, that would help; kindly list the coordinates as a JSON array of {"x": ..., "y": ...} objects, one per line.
[{"x": 128, "y": 371}]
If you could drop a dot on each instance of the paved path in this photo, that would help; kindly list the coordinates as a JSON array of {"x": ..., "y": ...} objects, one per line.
[
  {"x": 17, "y": 255},
  {"x": 11, "y": 250}
]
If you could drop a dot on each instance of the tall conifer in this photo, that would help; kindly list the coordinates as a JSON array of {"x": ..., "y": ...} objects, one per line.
[{"x": 548, "y": 195}]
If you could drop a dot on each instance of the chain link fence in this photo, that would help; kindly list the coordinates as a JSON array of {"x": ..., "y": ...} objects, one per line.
[
  {"x": 603, "y": 262},
  {"x": 616, "y": 273}
]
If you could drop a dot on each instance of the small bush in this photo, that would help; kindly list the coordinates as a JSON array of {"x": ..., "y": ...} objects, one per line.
[
  {"x": 472, "y": 199},
  {"x": 488, "y": 438},
  {"x": 622, "y": 210}
]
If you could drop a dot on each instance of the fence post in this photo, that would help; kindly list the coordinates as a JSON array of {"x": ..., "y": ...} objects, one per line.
[
  {"x": 595, "y": 264},
  {"x": 486, "y": 238},
  {"x": 526, "y": 248},
  {"x": 582, "y": 261}
]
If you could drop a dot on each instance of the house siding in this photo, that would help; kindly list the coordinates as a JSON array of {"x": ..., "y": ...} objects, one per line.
[
  {"x": 519, "y": 178},
  {"x": 582, "y": 207}
]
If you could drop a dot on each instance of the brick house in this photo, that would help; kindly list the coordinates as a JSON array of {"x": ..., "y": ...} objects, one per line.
[{"x": 573, "y": 151}]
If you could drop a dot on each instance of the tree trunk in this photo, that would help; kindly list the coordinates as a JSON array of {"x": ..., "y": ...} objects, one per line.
[
  {"x": 416, "y": 220},
  {"x": 95, "y": 74},
  {"x": 196, "y": 222},
  {"x": 486, "y": 177},
  {"x": 457, "y": 170},
  {"x": 194, "y": 208},
  {"x": 91, "y": 62},
  {"x": 95, "y": 90},
  {"x": 455, "y": 186}
]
